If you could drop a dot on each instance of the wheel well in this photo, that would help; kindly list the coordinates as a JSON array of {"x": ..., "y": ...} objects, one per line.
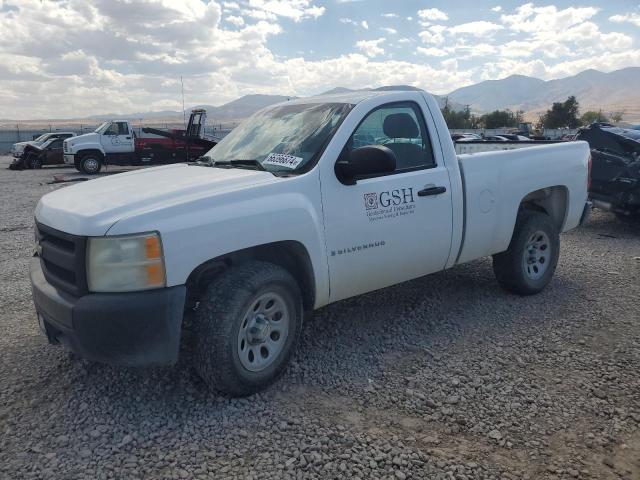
[
  {"x": 290, "y": 255},
  {"x": 82, "y": 153},
  {"x": 551, "y": 200}
]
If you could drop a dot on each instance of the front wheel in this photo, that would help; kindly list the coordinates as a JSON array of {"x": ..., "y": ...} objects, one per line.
[
  {"x": 531, "y": 259},
  {"x": 33, "y": 162},
  {"x": 246, "y": 328},
  {"x": 90, "y": 164}
]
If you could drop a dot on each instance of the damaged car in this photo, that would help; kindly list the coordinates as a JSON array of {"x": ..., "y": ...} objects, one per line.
[
  {"x": 37, "y": 155},
  {"x": 17, "y": 149},
  {"x": 615, "y": 176}
]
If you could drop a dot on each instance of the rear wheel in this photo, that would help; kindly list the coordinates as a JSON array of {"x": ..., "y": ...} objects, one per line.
[
  {"x": 246, "y": 328},
  {"x": 531, "y": 259},
  {"x": 90, "y": 164}
]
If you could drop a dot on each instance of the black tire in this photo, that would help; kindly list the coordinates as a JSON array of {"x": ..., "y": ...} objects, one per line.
[
  {"x": 223, "y": 312},
  {"x": 90, "y": 164},
  {"x": 33, "y": 162},
  {"x": 517, "y": 274},
  {"x": 26, "y": 161}
]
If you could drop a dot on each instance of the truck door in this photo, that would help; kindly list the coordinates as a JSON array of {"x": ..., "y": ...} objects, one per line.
[
  {"x": 394, "y": 227},
  {"x": 117, "y": 138}
]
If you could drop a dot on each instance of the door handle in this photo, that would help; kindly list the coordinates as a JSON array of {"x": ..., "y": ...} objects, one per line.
[
  {"x": 128, "y": 138},
  {"x": 432, "y": 191}
]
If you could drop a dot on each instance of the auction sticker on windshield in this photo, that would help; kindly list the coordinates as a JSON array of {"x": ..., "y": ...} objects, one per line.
[{"x": 283, "y": 160}]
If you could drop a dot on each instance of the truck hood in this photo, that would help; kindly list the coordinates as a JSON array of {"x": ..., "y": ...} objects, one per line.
[
  {"x": 92, "y": 207},
  {"x": 85, "y": 138}
]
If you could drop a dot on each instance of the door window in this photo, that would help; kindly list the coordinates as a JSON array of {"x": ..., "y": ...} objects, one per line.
[
  {"x": 401, "y": 128},
  {"x": 123, "y": 128},
  {"x": 112, "y": 129}
]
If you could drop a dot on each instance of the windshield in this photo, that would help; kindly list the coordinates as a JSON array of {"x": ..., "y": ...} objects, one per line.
[
  {"x": 103, "y": 126},
  {"x": 284, "y": 138},
  {"x": 42, "y": 137}
]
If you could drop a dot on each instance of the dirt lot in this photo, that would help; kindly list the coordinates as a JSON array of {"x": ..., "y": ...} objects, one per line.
[{"x": 445, "y": 377}]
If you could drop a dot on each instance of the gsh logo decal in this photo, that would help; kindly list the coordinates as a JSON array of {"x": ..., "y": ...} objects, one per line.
[
  {"x": 389, "y": 204},
  {"x": 371, "y": 201}
]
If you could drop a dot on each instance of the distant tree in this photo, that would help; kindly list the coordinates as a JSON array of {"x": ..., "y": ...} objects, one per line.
[
  {"x": 501, "y": 118},
  {"x": 591, "y": 116},
  {"x": 563, "y": 114},
  {"x": 459, "y": 119},
  {"x": 616, "y": 117}
]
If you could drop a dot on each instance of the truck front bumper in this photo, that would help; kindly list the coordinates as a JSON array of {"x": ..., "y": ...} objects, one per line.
[
  {"x": 131, "y": 329},
  {"x": 68, "y": 159}
]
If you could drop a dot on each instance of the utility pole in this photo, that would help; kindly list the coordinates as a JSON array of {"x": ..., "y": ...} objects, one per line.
[{"x": 184, "y": 112}]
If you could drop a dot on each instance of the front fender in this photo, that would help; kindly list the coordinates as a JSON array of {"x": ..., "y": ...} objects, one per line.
[
  {"x": 79, "y": 149},
  {"x": 194, "y": 232}
]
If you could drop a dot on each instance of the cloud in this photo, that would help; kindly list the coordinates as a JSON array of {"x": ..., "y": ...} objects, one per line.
[
  {"x": 432, "y": 15},
  {"x": 479, "y": 28},
  {"x": 371, "y": 48},
  {"x": 433, "y": 51},
  {"x": 633, "y": 18},
  {"x": 528, "y": 18},
  {"x": 235, "y": 20},
  {"x": 433, "y": 34},
  {"x": 497, "y": 8},
  {"x": 296, "y": 10},
  {"x": 124, "y": 56}
]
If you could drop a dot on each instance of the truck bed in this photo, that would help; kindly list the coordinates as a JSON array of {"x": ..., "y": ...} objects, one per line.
[{"x": 495, "y": 182}]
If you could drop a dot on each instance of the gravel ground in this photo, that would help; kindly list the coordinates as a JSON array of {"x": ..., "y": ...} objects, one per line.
[{"x": 444, "y": 377}]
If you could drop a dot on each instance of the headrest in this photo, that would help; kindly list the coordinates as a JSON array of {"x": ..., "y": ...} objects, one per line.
[{"x": 400, "y": 125}]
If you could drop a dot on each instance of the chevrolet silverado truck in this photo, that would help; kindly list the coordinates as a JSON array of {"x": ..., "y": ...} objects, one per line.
[
  {"x": 116, "y": 143},
  {"x": 306, "y": 203}
]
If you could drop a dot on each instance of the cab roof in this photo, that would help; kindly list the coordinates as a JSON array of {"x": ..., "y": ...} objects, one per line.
[{"x": 349, "y": 97}]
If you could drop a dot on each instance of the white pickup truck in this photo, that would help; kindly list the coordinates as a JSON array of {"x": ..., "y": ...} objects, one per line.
[{"x": 306, "y": 203}]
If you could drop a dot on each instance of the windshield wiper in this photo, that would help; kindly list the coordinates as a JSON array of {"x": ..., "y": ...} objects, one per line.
[{"x": 252, "y": 164}]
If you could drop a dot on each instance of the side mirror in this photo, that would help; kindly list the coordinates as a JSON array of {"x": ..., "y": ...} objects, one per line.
[{"x": 365, "y": 161}]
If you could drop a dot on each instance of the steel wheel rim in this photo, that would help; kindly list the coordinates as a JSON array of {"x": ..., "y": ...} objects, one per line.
[
  {"x": 537, "y": 255},
  {"x": 263, "y": 331},
  {"x": 91, "y": 165}
]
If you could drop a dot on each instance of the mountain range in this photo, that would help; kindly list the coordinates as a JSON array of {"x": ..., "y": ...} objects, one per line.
[
  {"x": 617, "y": 91},
  {"x": 245, "y": 106}
]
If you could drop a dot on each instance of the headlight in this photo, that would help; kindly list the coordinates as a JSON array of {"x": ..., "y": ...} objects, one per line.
[{"x": 125, "y": 264}]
